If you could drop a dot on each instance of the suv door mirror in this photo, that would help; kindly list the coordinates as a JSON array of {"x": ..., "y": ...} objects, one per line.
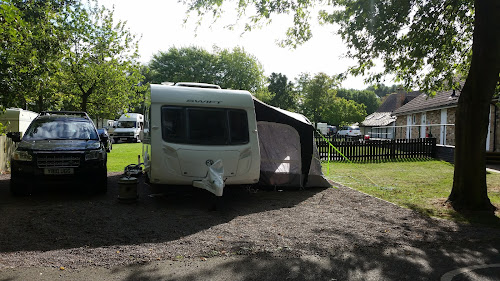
[{"x": 15, "y": 136}]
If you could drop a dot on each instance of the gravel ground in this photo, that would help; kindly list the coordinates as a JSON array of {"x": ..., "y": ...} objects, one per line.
[{"x": 62, "y": 228}]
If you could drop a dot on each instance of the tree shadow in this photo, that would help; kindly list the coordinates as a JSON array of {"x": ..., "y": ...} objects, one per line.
[
  {"x": 479, "y": 218},
  {"x": 63, "y": 217},
  {"x": 319, "y": 234},
  {"x": 425, "y": 251},
  {"x": 380, "y": 242}
]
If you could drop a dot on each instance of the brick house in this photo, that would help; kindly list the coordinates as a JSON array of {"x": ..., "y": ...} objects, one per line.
[
  {"x": 380, "y": 124},
  {"x": 435, "y": 117}
]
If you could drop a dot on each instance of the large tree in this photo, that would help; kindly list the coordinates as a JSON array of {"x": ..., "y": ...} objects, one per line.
[
  {"x": 187, "y": 64},
  {"x": 366, "y": 97},
  {"x": 32, "y": 41},
  {"x": 12, "y": 34},
  {"x": 282, "y": 90},
  {"x": 319, "y": 101},
  {"x": 235, "y": 69},
  {"x": 341, "y": 112},
  {"x": 238, "y": 69},
  {"x": 315, "y": 94},
  {"x": 426, "y": 44},
  {"x": 100, "y": 72},
  {"x": 382, "y": 90}
]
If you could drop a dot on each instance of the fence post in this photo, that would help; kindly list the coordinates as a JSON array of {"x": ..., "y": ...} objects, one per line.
[{"x": 433, "y": 147}]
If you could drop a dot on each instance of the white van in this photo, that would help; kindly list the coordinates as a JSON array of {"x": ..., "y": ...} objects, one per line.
[
  {"x": 128, "y": 127},
  {"x": 189, "y": 128}
]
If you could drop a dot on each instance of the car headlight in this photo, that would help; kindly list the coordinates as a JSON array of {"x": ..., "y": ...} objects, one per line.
[
  {"x": 92, "y": 155},
  {"x": 21, "y": 155}
]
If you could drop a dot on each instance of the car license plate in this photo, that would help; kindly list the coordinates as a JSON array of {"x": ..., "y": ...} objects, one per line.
[
  {"x": 58, "y": 171},
  {"x": 123, "y": 139}
]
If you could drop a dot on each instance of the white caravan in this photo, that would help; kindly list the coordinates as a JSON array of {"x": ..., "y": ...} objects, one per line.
[
  {"x": 193, "y": 130},
  {"x": 128, "y": 127},
  {"x": 322, "y": 128}
]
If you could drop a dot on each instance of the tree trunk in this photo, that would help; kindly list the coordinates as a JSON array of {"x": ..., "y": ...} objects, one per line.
[
  {"x": 85, "y": 96},
  {"x": 472, "y": 117},
  {"x": 39, "y": 103},
  {"x": 83, "y": 106}
]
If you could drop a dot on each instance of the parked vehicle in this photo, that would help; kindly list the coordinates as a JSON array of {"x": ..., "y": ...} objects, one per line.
[
  {"x": 332, "y": 130},
  {"x": 108, "y": 144},
  {"x": 191, "y": 131},
  {"x": 350, "y": 132},
  {"x": 111, "y": 129},
  {"x": 58, "y": 146},
  {"x": 322, "y": 128},
  {"x": 128, "y": 127}
]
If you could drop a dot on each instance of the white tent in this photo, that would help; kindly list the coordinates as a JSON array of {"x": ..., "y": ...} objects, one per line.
[{"x": 289, "y": 156}]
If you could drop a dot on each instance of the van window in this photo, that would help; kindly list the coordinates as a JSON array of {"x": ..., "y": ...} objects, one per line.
[
  {"x": 127, "y": 124},
  {"x": 196, "y": 125}
]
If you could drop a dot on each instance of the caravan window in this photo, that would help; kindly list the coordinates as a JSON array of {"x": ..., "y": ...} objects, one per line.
[
  {"x": 238, "y": 123},
  {"x": 196, "y": 125},
  {"x": 173, "y": 124}
]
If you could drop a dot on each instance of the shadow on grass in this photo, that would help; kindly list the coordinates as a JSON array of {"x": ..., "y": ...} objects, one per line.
[
  {"x": 378, "y": 161},
  {"x": 444, "y": 210},
  {"x": 483, "y": 218}
]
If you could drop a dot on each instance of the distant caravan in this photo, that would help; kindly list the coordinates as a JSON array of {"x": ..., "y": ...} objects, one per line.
[{"x": 200, "y": 135}]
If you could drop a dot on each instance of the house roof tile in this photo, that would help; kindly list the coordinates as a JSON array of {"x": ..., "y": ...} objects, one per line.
[
  {"x": 382, "y": 117},
  {"x": 424, "y": 102},
  {"x": 377, "y": 119}
]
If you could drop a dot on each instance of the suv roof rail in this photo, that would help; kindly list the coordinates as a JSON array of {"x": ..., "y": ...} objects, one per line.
[{"x": 79, "y": 113}]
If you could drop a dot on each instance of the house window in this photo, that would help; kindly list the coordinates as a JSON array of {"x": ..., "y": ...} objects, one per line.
[{"x": 414, "y": 118}]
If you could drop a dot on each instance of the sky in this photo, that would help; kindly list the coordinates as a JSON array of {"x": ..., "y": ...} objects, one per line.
[{"x": 161, "y": 25}]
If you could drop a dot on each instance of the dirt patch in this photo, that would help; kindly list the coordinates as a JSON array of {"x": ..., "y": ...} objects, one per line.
[
  {"x": 59, "y": 226},
  {"x": 441, "y": 204}
]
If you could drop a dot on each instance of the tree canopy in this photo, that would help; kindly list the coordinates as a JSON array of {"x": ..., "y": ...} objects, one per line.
[
  {"x": 100, "y": 72},
  {"x": 382, "y": 90},
  {"x": 366, "y": 97},
  {"x": 283, "y": 92},
  {"x": 319, "y": 101},
  {"x": 65, "y": 55},
  {"x": 429, "y": 45},
  {"x": 234, "y": 69},
  {"x": 32, "y": 40}
]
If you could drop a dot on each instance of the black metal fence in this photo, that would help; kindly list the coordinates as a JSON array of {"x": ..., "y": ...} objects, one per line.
[{"x": 375, "y": 150}]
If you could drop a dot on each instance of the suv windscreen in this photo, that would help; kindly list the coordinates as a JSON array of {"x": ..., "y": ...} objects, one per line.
[
  {"x": 60, "y": 128},
  {"x": 215, "y": 126}
]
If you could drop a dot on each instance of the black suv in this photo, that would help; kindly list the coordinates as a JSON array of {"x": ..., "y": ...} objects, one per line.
[{"x": 59, "y": 146}]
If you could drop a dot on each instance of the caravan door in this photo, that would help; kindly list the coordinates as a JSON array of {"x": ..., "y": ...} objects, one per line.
[{"x": 280, "y": 155}]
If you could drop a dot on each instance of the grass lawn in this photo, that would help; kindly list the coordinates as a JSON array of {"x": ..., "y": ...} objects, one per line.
[
  {"x": 122, "y": 155},
  {"x": 419, "y": 185}
]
